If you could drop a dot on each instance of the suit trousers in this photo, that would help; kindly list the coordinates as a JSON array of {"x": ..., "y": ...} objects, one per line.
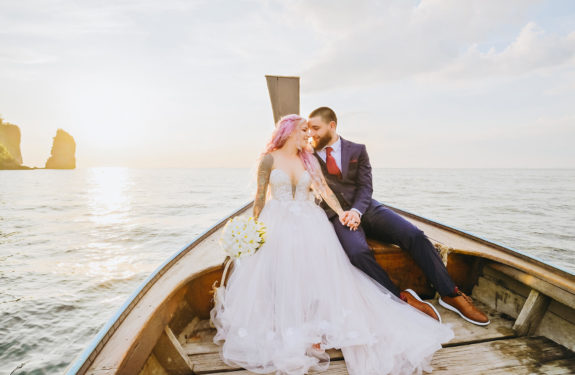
[{"x": 382, "y": 224}]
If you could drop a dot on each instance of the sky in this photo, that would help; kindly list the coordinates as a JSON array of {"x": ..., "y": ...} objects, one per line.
[{"x": 181, "y": 83}]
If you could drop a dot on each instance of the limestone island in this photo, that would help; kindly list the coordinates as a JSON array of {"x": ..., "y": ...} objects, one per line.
[{"x": 62, "y": 154}]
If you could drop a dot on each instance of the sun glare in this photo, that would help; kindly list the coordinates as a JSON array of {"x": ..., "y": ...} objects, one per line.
[{"x": 109, "y": 199}]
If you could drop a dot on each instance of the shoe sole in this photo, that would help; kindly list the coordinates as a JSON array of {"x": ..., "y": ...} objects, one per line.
[
  {"x": 412, "y": 292},
  {"x": 447, "y": 306}
]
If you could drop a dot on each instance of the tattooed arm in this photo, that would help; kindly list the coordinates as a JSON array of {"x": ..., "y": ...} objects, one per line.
[
  {"x": 326, "y": 193},
  {"x": 264, "y": 170},
  {"x": 329, "y": 197}
]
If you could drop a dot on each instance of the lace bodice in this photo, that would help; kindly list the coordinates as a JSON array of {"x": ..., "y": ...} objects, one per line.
[{"x": 281, "y": 186}]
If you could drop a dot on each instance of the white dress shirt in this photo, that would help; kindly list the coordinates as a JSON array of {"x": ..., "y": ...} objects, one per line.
[{"x": 336, "y": 153}]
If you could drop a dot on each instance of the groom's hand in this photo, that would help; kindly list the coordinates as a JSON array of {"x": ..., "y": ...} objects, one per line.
[{"x": 351, "y": 219}]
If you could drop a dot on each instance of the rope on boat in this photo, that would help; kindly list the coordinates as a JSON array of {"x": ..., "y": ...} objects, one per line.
[{"x": 443, "y": 251}]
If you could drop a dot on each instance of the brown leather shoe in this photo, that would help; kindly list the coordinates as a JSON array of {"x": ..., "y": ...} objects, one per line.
[
  {"x": 413, "y": 299},
  {"x": 463, "y": 305}
]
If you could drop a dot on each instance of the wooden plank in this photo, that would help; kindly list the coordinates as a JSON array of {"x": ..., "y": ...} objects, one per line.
[
  {"x": 210, "y": 362},
  {"x": 531, "y": 313},
  {"x": 559, "y": 294},
  {"x": 505, "y": 281},
  {"x": 153, "y": 367},
  {"x": 189, "y": 329},
  {"x": 501, "y": 356},
  {"x": 205, "y": 355},
  {"x": 558, "y": 367},
  {"x": 557, "y": 329},
  {"x": 498, "y": 297},
  {"x": 170, "y": 354},
  {"x": 193, "y": 348},
  {"x": 485, "y": 358},
  {"x": 562, "y": 311},
  {"x": 501, "y": 326}
]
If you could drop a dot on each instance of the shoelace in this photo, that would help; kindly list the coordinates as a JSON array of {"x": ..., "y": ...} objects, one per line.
[{"x": 465, "y": 296}]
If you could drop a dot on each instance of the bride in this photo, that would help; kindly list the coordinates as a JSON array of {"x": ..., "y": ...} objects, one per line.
[{"x": 299, "y": 294}]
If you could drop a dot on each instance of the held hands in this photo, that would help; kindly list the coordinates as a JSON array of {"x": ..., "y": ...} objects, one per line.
[{"x": 350, "y": 219}]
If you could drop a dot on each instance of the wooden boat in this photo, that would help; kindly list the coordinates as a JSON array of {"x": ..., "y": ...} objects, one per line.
[{"x": 163, "y": 327}]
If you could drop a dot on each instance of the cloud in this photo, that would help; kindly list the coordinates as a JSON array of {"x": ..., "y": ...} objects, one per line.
[
  {"x": 374, "y": 42},
  {"x": 532, "y": 50}
]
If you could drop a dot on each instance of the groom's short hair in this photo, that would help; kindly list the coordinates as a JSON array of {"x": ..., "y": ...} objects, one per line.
[{"x": 327, "y": 114}]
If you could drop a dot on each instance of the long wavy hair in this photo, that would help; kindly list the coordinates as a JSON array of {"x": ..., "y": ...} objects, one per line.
[{"x": 284, "y": 129}]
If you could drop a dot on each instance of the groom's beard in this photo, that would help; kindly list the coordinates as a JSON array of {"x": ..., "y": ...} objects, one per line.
[{"x": 320, "y": 143}]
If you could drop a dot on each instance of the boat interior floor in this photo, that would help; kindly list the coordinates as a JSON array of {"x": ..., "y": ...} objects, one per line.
[{"x": 493, "y": 349}]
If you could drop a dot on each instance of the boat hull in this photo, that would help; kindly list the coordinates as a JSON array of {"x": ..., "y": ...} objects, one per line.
[{"x": 154, "y": 332}]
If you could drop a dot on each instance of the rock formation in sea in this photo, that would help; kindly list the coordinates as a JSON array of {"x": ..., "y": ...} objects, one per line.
[
  {"x": 63, "y": 154},
  {"x": 10, "y": 154},
  {"x": 10, "y": 139}
]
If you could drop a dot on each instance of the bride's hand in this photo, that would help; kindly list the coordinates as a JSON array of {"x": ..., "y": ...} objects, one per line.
[
  {"x": 343, "y": 217},
  {"x": 349, "y": 219}
]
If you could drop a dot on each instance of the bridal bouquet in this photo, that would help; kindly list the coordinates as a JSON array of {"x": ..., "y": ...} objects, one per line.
[{"x": 242, "y": 236}]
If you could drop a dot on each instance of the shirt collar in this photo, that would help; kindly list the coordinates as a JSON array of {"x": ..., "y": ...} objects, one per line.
[{"x": 336, "y": 146}]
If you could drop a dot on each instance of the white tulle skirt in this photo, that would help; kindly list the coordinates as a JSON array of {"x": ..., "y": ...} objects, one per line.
[{"x": 299, "y": 289}]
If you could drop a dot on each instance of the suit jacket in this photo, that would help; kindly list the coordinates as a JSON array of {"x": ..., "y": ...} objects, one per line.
[{"x": 354, "y": 189}]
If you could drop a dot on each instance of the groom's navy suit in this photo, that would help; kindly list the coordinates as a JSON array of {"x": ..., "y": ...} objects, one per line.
[{"x": 354, "y": 190}]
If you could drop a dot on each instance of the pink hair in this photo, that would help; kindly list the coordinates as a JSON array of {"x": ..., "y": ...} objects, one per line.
[{"x": 284, "y": 128}]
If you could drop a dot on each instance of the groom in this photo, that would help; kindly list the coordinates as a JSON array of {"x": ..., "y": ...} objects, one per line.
[{"x": 348, "y": 172}]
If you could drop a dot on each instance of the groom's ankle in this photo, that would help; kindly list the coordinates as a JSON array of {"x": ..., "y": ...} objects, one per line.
[{"x": 454, "y": 293}]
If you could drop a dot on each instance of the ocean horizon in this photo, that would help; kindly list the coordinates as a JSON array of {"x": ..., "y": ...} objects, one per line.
[{"x": 74, "y": 244}]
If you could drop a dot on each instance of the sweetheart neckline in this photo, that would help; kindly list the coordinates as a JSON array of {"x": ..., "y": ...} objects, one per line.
[
  {"x": 288, "y": 176},
  {"x": 293, "y": 187}
]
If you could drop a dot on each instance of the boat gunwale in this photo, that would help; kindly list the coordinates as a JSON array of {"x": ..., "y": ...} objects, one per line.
[{"x": 89, "y": 354}]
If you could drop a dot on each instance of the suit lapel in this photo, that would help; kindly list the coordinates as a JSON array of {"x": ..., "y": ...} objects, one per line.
[
  {"x": 345, "y": 154},
  {"x": 318, "y": 157},
  {"x": 322, "y": 164}
]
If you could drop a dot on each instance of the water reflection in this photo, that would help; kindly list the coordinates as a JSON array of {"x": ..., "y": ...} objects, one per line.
[{"x": 108, "y": 195}]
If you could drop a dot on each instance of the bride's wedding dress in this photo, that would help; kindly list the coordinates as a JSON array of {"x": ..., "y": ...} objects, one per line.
[{"x": 300, "y": 288}]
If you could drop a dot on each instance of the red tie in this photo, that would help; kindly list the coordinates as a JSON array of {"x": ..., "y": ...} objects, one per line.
[{"x": 331, "y": 164}]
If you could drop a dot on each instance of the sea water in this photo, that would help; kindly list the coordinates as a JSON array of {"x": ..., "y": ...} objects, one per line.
[{"x": 75, "y": 244}]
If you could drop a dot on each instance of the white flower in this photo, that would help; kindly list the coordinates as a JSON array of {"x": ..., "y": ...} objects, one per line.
[{"x": 242, "y": 236}]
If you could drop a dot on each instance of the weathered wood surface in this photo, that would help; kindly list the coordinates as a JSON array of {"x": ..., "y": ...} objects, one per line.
[
  {"x": 205, "y": 355},
  {"x": 153, "y": 367},
  {"x": 171, "y": 355},
  {"x": 465, "y": 332},
  {"x": 498, "y": 297},
  {"x": 507, "y": 295},
  {"x": 523, "y": 355},
  {"x": 531, "y": 313},
  {"x": 557, "y": 329},
  {"x": 557, "y": 292},
  {"x": 284, "y": 95}
]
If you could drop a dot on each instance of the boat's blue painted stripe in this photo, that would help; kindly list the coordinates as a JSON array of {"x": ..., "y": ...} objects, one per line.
[
  {"x": 98, "y": 338},
  {"x": 483, "y": 239}
]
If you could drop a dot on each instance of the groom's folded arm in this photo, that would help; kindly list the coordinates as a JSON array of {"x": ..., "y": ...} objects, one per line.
[{"x": 363, "y": 181}]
